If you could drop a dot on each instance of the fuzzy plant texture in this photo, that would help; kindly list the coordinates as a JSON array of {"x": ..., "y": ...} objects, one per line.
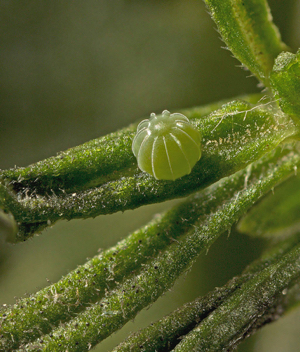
[{"x": 250, "y": 146}]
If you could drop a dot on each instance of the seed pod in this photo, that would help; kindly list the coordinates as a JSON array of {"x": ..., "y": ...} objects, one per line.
[{"x": 167, "y": 146}]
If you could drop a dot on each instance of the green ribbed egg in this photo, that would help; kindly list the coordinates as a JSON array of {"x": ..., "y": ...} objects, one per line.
[{"x": 167, "y": 146}]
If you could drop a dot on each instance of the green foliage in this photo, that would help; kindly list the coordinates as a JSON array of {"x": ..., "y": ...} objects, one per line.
[
  {"x": 285, "y": 81},
  {"x": 194, "y": 228},
  {"x": 164, "y": 334},
  {"x": 247, "y": 29},
  {"x": 249, "y": 146}
]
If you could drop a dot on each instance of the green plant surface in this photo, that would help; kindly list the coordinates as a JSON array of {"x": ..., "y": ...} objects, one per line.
[
  {"x": 154, "y": 278},
  {"x": 247, "y": 29},
  {"x": 163, "y": 335},
  {"x": 233, "y": 136},
  {"x": 276, "y": 215},
  {"x": 245, "y": 307},
  {"x": 246, "y": 179},
  {"x": 285, "y": 82},
  {"x": 90, "y": 164}
]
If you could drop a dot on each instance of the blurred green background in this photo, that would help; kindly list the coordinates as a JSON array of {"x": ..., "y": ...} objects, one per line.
[{"x": 71, "y": 71}]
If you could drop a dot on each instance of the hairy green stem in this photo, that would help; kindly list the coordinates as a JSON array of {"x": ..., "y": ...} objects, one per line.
[
  {"x": 156, "y": 276},
  {"x": 165, "y": 334},
  {"x": 88, "y": 283},
  {"x": 236, "y": 317},
  {"x": 93, "y": 163},
  {"x": 233, "y": 136}
]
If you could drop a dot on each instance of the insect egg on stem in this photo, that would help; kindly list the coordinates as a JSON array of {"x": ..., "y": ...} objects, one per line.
[{"x": 167, "y": 146}]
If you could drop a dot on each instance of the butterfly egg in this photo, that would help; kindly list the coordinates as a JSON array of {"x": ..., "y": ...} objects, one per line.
[{"x": 167, "y": 146}]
